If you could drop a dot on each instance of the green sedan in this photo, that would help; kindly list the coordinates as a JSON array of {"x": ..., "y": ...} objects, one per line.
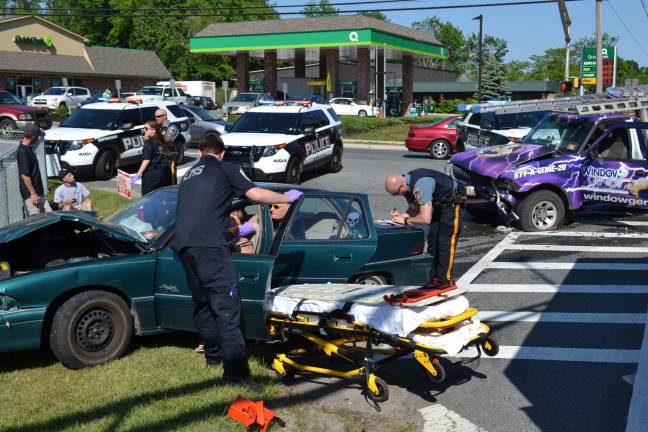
[{"x": 84, "y": 287}]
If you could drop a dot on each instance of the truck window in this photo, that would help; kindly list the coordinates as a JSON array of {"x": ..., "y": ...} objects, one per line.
[{"x": 615, "y": 146}]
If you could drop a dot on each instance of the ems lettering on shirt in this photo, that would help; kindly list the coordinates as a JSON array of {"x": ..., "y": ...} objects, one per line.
[{"x": 193, "y": 172}]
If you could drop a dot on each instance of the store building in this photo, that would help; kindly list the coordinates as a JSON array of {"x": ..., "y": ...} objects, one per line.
[{"x": 36, "y": 54}]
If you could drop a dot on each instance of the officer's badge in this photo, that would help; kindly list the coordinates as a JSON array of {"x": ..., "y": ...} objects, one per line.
[{"x": 418, "y": 194}]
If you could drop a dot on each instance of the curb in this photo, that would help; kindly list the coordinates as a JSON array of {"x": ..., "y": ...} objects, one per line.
[{"x": 375, "y": 145}]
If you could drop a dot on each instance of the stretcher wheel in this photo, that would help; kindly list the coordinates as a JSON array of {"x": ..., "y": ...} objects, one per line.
[
  {"x": 438, "y": 369},
  {"x": 490, "y": 347},
  {"x": 383, "y": 390}
]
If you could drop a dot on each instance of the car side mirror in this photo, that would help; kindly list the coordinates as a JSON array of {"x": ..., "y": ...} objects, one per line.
[
  {"x": 127, "y": 126},
  {"x": 309, "y": 130},
  {"x": 68, "y": 94}
]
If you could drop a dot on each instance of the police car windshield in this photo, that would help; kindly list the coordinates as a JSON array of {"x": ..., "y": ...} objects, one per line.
[
  {"x": 156, "y": 91},
  {"x": 87, "y": 118},
  {"x": 245, "y": 97},
  {"x": 54, "y": 91},
  {"x": 268, "y": 122},
  {"x": 562, "y": 132},
  {"x": 149, "y": 217}
]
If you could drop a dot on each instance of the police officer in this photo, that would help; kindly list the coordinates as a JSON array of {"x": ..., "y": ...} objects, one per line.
[
  {"x": 204, "y": 199},
  {"x": 171, "y": 134},
  {"x": 436, "y": 199}
]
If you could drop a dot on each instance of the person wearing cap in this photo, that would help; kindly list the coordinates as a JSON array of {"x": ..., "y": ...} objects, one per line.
[
  {"x": 30, "y": 180},
  {"x": 71, "y": 195},
  {"x": 205, "y": 196},
  {"x": 436, "y": 199}
]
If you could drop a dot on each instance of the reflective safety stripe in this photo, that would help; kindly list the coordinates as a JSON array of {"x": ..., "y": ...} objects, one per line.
[{"x": 453, "y": 241}]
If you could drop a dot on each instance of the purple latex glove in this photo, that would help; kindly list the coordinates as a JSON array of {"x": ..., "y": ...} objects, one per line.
[
  {"x": 134, "y": 179},
  {"x": 293, "y": 194},
  {"x": 246, "y": 228}
]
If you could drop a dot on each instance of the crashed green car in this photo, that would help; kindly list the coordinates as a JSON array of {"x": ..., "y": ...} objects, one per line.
[{"x": 84, "y": 287}]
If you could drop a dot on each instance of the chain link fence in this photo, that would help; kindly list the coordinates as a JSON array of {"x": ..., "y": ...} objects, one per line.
[{"x": 11, "y": 202}]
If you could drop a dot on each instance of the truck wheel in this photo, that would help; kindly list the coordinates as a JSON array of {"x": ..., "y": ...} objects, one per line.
[
  {"x": 439, "y": 149},
  {"x": 7, "y": 125},
  {"x": 543, "y": 210},
  {"x": 336, "y": 160},
  {"x": 91, "y": 328},
  {"x": 294, "y": 170},
  {"x": 106, "y": 165}
]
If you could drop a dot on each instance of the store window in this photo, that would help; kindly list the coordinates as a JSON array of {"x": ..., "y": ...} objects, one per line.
[
  {"x": 10, "y": 84},
  {"x": 38, "y": 85},
  {"x": 78, "y": 82},
  {"x": 57, "y": 82}
]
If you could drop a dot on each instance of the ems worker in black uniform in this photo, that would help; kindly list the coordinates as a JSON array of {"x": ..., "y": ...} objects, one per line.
[
  {"x": 437, "y": 199},
  {"x": 204, "y": 199}
]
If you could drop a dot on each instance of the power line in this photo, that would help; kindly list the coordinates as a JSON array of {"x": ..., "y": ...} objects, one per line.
[
  {"x": 153, "y": 13},
  {"x": 645, "y": 8},
  {"x": 627, "y": 29}
]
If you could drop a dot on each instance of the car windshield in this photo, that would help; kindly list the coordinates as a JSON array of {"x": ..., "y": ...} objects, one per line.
[
  {"x": 149, "y": 217},
  {"x": 156, "y": 91},
  {"x": 88, "y": 118},
  {"x": 7, "y": 98},
  {"x": 268, "y": 122},
  {"x": 562, "y": 132},
  {"x": 245, "y": 97},
  {"x": 54, "y": 91},
  {"x": 203, "y": 114},
  {"x": 519, "y": 120}
]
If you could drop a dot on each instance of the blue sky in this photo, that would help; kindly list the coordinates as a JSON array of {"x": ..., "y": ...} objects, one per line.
[{"x": 530, "y": 29}]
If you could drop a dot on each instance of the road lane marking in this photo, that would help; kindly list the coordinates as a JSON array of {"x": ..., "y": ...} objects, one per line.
[
  {"x": 637, "y": 413},
  {"x": 489, "y": 256},
  {"x": 557, "y": 288},
  {"x": 563, "y": 248},
  {"x": 540, "y": 265},
  {"x": 563, "y": 317},
  {"x": 583, "y": 234},
  {"x": 587, "y": 355},
  {"x": 438, "y": 418}
]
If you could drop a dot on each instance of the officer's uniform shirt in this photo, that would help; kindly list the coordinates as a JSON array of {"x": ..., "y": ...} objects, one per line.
[
  {"x": 170, "y": 132},
  {"x": 422, "y": 190},
  {"x": 204, "y": 200}
]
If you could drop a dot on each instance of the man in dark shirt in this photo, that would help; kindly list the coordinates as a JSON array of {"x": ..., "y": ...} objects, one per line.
[
  {"x": 31, "y": 182},
  {"x": 436, "y": 199},
  {"x": 204, "y": 199}
]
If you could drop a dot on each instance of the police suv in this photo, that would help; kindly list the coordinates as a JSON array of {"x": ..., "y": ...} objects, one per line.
[
  {"x": 279, "y": 143},
  {"x": 102, "y": 136}
]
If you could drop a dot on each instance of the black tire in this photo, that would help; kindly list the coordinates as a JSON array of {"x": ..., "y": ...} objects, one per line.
[
  {"x": 542, "y": 210},
  {"x": 440, "y": 149},
  {"x": 371, "y": 279},
  {"x": 440, "y": 371},
  {"x": 383, "y": 391},
  {"x": 362, "y": 113},
  {"x": 106, "y": 165},
  {"x": 490, "y": 347},
  {"x": 294, "y": 170},
  {"x": 91, "y": 328},
  {"x": 336, "y": 159},
  {"x": 7, "y": 125},
  {"x": 290, "y": 374}
]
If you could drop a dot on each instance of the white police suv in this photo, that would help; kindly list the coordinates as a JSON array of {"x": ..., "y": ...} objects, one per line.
[
  {"x": 279, "y": 143},
  {"x": 102, "y": 136}
]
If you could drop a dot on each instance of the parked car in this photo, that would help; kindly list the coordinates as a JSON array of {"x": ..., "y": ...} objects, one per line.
[
  {"x": 160, "y": 93},
  {"x": 242, "y": 102},
  {"x": 61, "y": 97},
  {"x": 202, "y": 122},
  {"x": 97, "y": 97},
  {"x": 205, "y": 102},
  {"x": 91, "y": 284},
  {"x": 347, "y": 106},
  {"x": 15, "y": 115},
  {"x": 439, "y": 139},
  {"x": 310, "y": 98}
]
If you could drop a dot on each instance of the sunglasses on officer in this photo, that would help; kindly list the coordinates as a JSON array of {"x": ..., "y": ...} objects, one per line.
[{"x": 160, "y": 115}]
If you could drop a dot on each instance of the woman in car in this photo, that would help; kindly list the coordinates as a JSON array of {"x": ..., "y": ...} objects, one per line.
[{"x": 155, "y": 169}]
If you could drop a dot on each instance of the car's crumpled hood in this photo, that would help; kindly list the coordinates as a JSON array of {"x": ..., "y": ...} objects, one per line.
[
  {"x": 33, "y": 223},
  {"x": 237, "y": 139},
  {"x": 494, "y": 160}
]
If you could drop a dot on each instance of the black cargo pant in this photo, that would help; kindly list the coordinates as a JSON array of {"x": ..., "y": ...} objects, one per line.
[
  {"x": 216, "y": 307},
  {"x": 445, "y": 228}
]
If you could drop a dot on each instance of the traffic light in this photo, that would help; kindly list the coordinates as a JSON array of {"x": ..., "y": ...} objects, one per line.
[{"x": 566, "y": 86}]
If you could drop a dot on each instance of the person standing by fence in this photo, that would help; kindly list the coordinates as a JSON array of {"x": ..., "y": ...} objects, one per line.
[{"x": 30, "y": 180}]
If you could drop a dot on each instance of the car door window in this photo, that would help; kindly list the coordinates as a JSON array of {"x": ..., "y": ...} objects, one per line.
[
  {"x": 317, "y": 218},
  {"x": 132, "y": 116},
  {"x": 474, "y": 119},
  {"x": 322, "y": 120},
  {"x": 148, "y": 113},
  {"x": 453, "y": 124},
  {"x": 333, "y": 114},
  {"x": 308, "y": 120},
  {"x": 615, "y": 146},
  {"x": 241, "y": 213},
  {"x": 355, "y": 223}
]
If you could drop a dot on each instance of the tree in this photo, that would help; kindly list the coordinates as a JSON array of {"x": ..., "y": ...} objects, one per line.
[
  {"x": 319, "y": 8},
  {"x": 492, "y": 45},
  {"x": 630, "y": 69},
  {"x": 494, "y": 84},
  {"x": 517, "y": 69},
  {"x": 375, "y": 14},
  {"x": 451, "y": 37}
]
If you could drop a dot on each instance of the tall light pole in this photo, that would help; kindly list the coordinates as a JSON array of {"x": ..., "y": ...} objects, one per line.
[
  {"x": 481, "y": 43},
  {"x": 599, "y": 48}
]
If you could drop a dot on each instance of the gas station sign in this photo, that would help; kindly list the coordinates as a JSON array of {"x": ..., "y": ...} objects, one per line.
[{"x": 588, "y": 65}]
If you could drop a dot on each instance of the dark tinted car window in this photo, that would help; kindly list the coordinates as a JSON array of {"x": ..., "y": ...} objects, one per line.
[
  {"x": 333, "y": 115},
  {"x": 475, "y": 119},
  {"x": 131, "y": 116},
  {"x": 148, "y": 113},
  {"x": 322, "y": 119},
  {"x": 175, "y": 110},
  {"x": 284, "y": 123}
]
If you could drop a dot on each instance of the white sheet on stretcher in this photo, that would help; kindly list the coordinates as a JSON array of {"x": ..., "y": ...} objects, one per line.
[{"x": 382, "y": 317}]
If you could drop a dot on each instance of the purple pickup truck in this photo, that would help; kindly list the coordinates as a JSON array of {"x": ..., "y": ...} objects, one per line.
[{"x": 566, "y": 162}]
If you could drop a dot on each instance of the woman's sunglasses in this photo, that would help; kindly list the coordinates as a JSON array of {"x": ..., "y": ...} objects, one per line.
[{"x": 276, "y": 206}]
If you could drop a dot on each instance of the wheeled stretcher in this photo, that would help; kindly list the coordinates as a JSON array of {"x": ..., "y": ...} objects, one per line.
[{"x": 355, "y": 324}]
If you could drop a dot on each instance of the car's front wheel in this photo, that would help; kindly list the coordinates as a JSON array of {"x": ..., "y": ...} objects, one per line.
[
  {"x": 106, "y": 165},
  {"x": 91, "y": 328},
  {"x": 362, "y": 113},
  {"x": 294, "y": 170},
  {"x": 542, "y": 210},
  {"x": 371, "y": 279}
]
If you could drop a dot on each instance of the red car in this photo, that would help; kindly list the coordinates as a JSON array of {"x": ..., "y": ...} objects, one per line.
[
  {"x": 439, "y": 139},
  {"x": 14, "y": 115}
]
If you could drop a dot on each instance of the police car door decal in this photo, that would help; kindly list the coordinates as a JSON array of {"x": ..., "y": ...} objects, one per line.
[
  {"x": 318, "y": 148},
  {"x": 133, "y": 143}
]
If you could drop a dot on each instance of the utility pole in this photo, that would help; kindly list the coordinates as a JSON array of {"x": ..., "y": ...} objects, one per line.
[
  {"x": 566, "y": 23},
  {"x": 599, "y": 48},
  {"x": 481, "y": 43}
]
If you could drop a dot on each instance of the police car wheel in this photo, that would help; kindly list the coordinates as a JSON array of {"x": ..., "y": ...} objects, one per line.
[
  {"x": 439, "y": 149},
  {"x": 542, "y": 210},
  {"x": 336, "y": 160},
  {"x": 91, "y": 328},
  {"x": 294, "y": 171},
  {"x": 106, "y": 165}
]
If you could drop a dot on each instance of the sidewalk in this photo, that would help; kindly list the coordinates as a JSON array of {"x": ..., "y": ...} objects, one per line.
[{"x": 375, "y": 145}]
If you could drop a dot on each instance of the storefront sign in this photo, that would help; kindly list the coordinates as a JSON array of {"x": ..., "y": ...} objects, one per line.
[
  {"x": 47, "y": 41},
  {"x": 124, "y": 184}
]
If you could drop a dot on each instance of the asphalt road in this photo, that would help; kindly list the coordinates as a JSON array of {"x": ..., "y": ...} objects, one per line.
[{"x": 568, "y": 309}]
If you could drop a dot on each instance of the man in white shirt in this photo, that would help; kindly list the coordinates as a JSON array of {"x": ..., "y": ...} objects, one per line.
[{"x": 71, "y": 195}]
